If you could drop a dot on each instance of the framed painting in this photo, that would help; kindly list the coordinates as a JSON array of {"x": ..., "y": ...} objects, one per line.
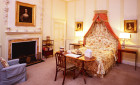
[
  {"x": 25, "y": 14},
  {"x": 79, "y": 26},
  {"x": 130, "y": 26}
]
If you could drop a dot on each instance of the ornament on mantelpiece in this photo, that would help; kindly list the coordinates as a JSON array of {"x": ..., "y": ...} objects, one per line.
[
  {"x": 16, "y": 29},
  {"x": 47, "y": 37},
  {"x": 38, "y": 29},
  {"x": 8, "y": 29}
]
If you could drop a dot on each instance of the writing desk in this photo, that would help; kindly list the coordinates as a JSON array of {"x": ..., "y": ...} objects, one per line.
[
  {"x": 83, "y": 59},
  {"x": 134, "y": 51}
]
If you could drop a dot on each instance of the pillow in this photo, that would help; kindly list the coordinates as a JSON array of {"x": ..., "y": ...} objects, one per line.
[{"x": 3, "y": 62}]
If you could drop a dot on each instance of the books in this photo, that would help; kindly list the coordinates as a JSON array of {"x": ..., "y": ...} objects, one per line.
[{"x": 73, "y": 55}]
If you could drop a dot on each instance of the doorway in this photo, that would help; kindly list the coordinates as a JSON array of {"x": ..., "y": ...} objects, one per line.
[{"x": 59, "y": 34}]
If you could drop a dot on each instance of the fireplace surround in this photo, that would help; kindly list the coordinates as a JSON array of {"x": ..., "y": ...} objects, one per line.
[{"x": 36, "y": 54}]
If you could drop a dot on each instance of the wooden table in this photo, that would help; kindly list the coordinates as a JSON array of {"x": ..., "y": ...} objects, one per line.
[
  {"x": 134, "y": 51},
  {"x": 83, "y": 59},
  {"x": 75, "y": 44}
]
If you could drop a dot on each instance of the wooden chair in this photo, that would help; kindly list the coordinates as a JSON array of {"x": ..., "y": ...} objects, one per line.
[{"x": 61, "y": 65}]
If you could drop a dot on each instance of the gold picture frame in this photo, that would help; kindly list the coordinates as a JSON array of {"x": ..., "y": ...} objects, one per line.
[
  {"x": 130, "y": 26},
  {"x": 25, "y": 14},
  {"x": 79, "y": 26}
]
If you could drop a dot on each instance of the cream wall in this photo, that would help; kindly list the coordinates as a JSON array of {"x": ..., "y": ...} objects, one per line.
[
  {"x": 118, "y": 11},
  {"x": 47, "y": 18},
  {"x": 1, "y": 18},
  {"x": 1, "y": 15},
  {"x": 2, "y": 27},
  {"x": 52, "y": 10},
  {"x": 101, "y": 4},
  {"x": 115, "y": 15},
  {"x": 138, "y": 22}
]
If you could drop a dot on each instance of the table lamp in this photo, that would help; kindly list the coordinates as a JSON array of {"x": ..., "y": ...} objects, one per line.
[
  {"x": 79, "y": 35},
  {"x": 124, "y": 36}
]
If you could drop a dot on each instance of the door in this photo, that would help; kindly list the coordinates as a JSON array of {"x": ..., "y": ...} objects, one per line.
[{"x": 59, "y": 32}]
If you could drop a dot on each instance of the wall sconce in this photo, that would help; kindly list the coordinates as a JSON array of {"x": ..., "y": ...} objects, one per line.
[{"x": 124, "y": 36}]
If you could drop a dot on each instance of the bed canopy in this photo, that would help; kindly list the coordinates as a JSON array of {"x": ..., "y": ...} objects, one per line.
[{"x": 100, "y": 33}]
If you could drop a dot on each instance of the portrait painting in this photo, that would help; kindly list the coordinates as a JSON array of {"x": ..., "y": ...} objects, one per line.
[
  {"x": 25, "y": 14},
  {"x": 130, "y": 26},
  {"x": 79, "y": 26}
]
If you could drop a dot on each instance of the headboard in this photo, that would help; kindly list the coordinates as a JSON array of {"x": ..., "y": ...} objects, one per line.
[{"x": 101, "y": 38}]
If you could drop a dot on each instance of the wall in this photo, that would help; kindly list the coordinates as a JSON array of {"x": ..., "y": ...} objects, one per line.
[
  {"x": 52, "y": 10},
  {"x": 1, "y": 16},
  {"x": 138, "y": 22},
  {"x": 2, "y": 27},
  {"x": 118, "y": 11}
]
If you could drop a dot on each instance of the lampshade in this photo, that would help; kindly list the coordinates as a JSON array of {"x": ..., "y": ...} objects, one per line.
[
  {"x": 124, "y": 35},
  {"x": 79, "y": 33}
]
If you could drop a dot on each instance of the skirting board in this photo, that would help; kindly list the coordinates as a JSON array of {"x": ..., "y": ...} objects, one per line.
[{"x": 130, "y": 63}]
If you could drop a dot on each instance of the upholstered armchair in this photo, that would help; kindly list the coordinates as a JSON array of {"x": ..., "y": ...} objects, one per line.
[{"x": 13, "y": 74}]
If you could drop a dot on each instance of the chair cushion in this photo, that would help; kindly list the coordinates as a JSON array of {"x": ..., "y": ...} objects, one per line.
[
  {"x": 3, "y": 62},
  {"x": 70, "y": 66}
]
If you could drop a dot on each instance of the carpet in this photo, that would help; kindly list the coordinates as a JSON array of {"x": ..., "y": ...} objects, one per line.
[{"x": 43, "y": 74}]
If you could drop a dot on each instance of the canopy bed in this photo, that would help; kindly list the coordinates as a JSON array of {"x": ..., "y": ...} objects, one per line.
[{"x": 104, "y": 44}]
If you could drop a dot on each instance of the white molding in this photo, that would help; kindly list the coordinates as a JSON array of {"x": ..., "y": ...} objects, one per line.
[
  {"x": 15, "y": 33},
  {"x": 22, "y": 37},
  {"x": 130, "y": 63}
]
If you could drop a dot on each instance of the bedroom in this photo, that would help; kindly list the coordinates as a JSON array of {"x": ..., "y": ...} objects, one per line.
[{"x": 52, "y": 13}]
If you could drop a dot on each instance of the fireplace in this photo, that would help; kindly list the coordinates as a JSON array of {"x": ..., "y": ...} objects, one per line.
[
  {"x": 26, "y": 50},
  {"x": 22, "y": 50}
]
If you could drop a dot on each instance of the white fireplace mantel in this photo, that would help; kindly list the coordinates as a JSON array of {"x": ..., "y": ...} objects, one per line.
[{"x": 17, "y": 33}]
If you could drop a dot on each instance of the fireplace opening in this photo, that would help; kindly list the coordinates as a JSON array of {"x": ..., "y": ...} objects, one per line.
[{"x": 24, "y": 51}]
